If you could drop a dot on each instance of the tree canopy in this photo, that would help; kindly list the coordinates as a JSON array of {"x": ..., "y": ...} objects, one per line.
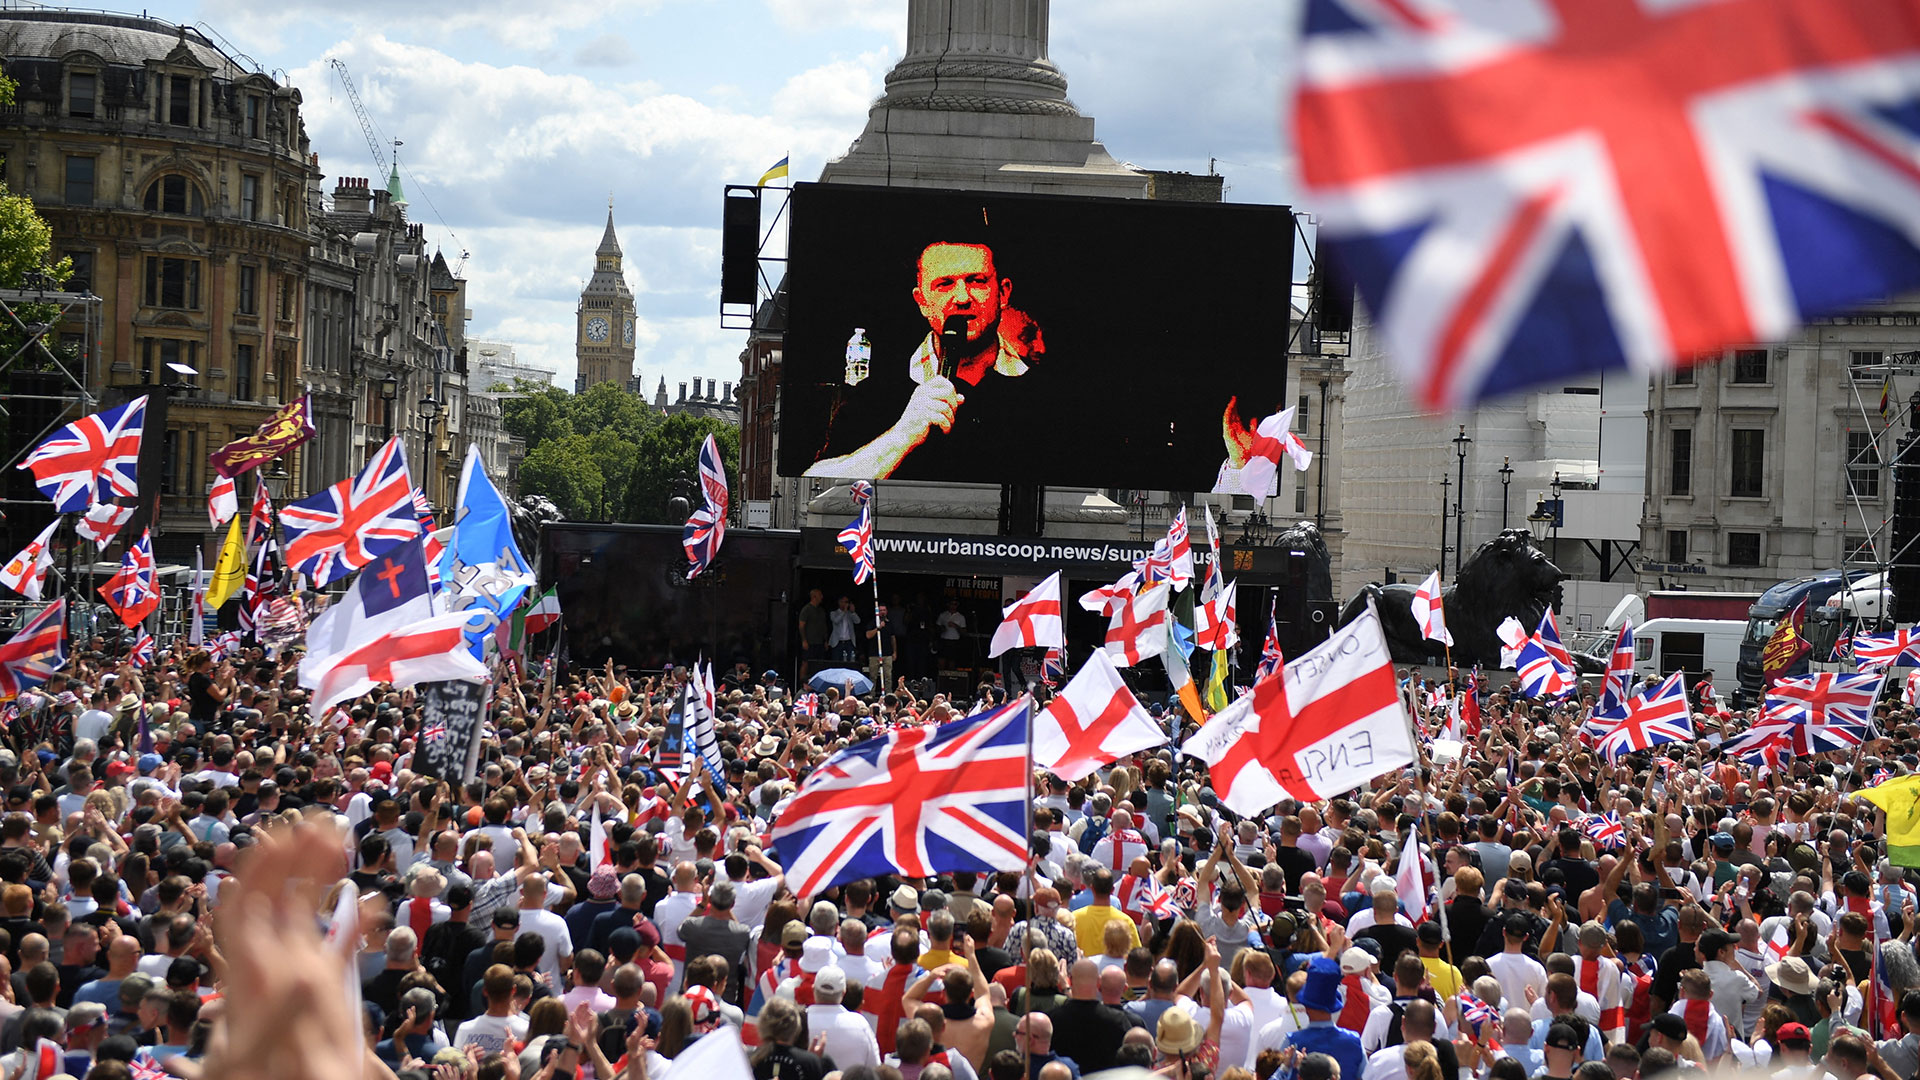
[{"x": 605, "y": 455}]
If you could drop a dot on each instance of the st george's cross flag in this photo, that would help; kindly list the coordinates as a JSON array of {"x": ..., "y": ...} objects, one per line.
[
  {"x": 1217, "y": 621},
  {"x": 1653, "y": 717},
  {"x": 1252, "y": 467},
  {"x": 1530, "y": 189},
  {"x": 430, "y": 650},
  {"x": 1138, "y": 629},
  {"x": 1108, "y": 599},
  {"x": 92, "y": 459},
  {"x": 1327, "y": 721},
  {"x": 1095, "y": 721},
  {"x": 102, "y": 522},
  {"x": 222, "y": 502},
  {"x": 1033, "y": 621},
  {"x": 915, "y": 802},
  {"x": 26, "y": 572},
  {"x": 342, "y": 528},
  {"x": 1428, "y": 611},
  {"x": 1412, "y": 880}
]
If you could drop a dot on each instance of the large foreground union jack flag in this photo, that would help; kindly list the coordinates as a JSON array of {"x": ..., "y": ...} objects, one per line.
[
  {"x": 35, "y": 651},
  {"x": 92, "y": 459},
  {"x": 914, "y": 802},
  {"x": 1530, "y": 188},
  {"x": 1872, "y": 652},
  {"x": 1816, "y": 713},
  {"x": 344, "y": 527}
]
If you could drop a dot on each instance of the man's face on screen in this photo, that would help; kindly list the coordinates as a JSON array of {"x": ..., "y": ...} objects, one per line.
[{"x": 960, "y": 279}]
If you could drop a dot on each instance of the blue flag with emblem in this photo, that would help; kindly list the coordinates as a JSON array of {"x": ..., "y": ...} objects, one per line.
[{"x": 482, "y": 570}]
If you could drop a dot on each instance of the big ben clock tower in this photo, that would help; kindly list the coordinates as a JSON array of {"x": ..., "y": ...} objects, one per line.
[{"x": 603, "y": 324}]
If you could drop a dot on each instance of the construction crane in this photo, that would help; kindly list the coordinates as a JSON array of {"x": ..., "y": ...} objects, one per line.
[{"x": 366, "y": 122}]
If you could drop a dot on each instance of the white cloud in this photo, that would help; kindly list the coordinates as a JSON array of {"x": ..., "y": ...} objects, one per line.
[
  {"x": 815, "y": 15},
  {"x": 508, "y": 22}
]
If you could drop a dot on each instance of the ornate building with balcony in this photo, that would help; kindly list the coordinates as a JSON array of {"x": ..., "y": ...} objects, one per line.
[{"x": 175, "y": 177}]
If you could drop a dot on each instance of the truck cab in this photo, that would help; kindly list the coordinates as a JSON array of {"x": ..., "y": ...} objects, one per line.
[{"x": 1778, "y": 602}]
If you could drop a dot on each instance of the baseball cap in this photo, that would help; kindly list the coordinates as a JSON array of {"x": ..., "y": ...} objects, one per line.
[
  {"x": 1519, "y": 924},
  {"x": 1670, "y": 1025},
  {"x": 831, "y": 980},
  {"x": 1355, "y": 962},
  {"x": 1563, "y": 1037},
  {"x": 150, "y": 761},
  {"x": 1723, "y": 840},
  {"x": 794, "y": 934},
  {"x": 1793, "y": 1033}
]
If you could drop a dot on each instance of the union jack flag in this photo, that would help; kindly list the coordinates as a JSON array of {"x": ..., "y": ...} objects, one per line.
[
  {"x": 142, "y": 652},
  {"x": 433, "y": 731},
  {"x": 345, "y": 527},
  {"x": 861, "y": 491},
  {"x": 1880, "y": 776},
  {"x": 1271, "y": 658},
  {"x": 913, "y": 802},
  {"x": 1898, "y": 649},
  {"x": 1619, "y": 682},
  {"x": 1157, "y": 900},
  {"x": 1053, "y": 666},
  {"x": 102, "y": 523},
  {"x": 145, "y": 1068},
  {"x": 1653, "y": 717},
  {"x": 857, "y": 538},
  {"x": 1171, "y": 559},
  {"x": 807, "y": 705},
  {"x": 92, "y": 459},
  {"x": 1526, "y": 189},
  {"x": 227, "y": 644},
  {"x": 1816, "y": 713},
  {"x": 1605, "y": 830},
  {"x": 132, "y": 592},
  {"x": 1842, "y": 648},
  {"x": 1477, "y": 1012},
  {"x": 35, "y": 652},
  {"x": 708, "y": 526},
  {"x": 260, "y": 514},
  {"x": 423, "y": 509},
  {"x": 1545, "y": 666}
]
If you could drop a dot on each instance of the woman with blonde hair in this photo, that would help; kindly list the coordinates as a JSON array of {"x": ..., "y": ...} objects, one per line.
[
  {"x": 1048, "y": 988},
  {"x": 1422, "y": 1062}
]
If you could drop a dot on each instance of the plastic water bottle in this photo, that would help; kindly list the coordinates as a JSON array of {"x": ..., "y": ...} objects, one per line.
[{"x": 859, "y": 356}]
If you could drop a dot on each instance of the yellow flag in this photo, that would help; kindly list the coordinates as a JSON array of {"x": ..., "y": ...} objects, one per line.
[
  {"x": 230, "y": 571},
  {"x": 1900, "y": 798},
  {"x": 1217, "y": 682}
]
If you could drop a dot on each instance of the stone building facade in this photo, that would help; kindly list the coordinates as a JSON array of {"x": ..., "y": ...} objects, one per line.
[{"x": 176, "y": 180}]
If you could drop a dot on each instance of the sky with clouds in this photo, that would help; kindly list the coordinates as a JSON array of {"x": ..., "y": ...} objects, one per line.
[{"x": 521, "y": 119}]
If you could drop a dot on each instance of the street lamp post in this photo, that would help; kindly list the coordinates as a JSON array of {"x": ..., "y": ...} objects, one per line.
[
  {"x": 1506, "y": 480},
  {"x": 430, "y": 415},
  {"x": 1460, "y": 442},
  {"x": 1446, "y": 483},
  {"x": 389, "y": 393},
  {"x": 1559, "y": 512},
  {"x": 1140, "y": 500}
]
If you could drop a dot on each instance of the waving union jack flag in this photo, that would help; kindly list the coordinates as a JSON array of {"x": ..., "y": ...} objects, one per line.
[
  {"x": 1271, "y": 658},
  {"x": 142, "y": 652},
  {"x": 1898, "y": 649},
  {"x": 857, "y": 538},
  {"x": 35, "y": 651},
  {"x": 1171, "y": 559},
  {"x": 423, "y": 509},
  {"x": 1545, "y": 666},
  {"x": 861, "y": 491},
  {"x": 92, "y": 459},
  {"x": 708, "y": 526},
  {"x": 1605, "y": 830},
  {"x": 1816, "y": 713},
  {"x": 1477, "y": 1012},
  {"x": 1053, "y": 666},
  {"x": 806, "y": 705},
  {"x": 1619, "y": 682},
  {"x": 132, "y": 592},
  {"x": 913, "y": 802},
  {"x": 1530, "y": 188},
  {"x": 345, "y": 527},
  {"x": 1653, "y": 717}
]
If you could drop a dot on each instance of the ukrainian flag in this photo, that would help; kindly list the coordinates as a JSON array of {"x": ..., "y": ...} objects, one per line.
[{"x": 778, "y": 172}]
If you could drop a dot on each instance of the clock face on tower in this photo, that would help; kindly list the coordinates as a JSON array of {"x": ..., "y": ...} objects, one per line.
[
  {"x": 597, "y": 329},
  {"x": 626, "y": 335}
]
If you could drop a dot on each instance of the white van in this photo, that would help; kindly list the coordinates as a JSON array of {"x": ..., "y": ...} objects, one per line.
[{"x": 1664, "y": 646}]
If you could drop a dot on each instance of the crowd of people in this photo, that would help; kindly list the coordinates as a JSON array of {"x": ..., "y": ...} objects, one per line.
[{"x": 200, "y": 877}]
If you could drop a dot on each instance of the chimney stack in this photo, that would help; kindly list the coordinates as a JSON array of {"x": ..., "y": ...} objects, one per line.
[{"x": 683, "y": 395}]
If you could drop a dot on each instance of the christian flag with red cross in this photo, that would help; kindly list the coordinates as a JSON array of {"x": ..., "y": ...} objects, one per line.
[
  {"x": 1094, "y": 721},
  {"x": 1033, "y": 621},
  {"x": 1330, "y": 720},
  {"x": 430, "y": 650}
]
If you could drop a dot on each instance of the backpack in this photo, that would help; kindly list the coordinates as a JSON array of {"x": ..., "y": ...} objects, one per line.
[{"x": 1091, "y": 836}]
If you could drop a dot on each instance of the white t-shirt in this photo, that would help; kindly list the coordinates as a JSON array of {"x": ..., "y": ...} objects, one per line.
[
  {"x": 1516, "y": 972},
  {"x": 92, "y": 724},
  {"x": 493, "y": 1033},
  {"x": 559, "y": 941},
  {"x": 951, "y": 623}
]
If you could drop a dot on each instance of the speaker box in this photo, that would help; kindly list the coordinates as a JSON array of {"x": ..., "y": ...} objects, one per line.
[
  {"x": 1906, "y": 531},
  {"x": 1333, "y": 291},
  {"x": 31, "y": 411},
  {"x": 740, "y": 246}
]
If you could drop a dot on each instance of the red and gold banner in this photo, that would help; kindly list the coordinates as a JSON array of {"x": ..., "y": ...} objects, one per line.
[{"x": 284, "y": 430}]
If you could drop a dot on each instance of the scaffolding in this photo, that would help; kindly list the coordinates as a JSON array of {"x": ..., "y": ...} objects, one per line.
[{"x": 1889, "y": 553}]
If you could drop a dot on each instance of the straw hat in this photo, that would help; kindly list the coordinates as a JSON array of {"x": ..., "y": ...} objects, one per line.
[{"x": 1177, "y": 1033}]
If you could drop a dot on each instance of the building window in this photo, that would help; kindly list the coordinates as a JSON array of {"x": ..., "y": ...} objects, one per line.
[
  {"x": 1301, "y": 414},
  {"x": 173, "y": 195},
  {"x": 1682, "y": 376},
  {"x": 249, "y": 290},
  {"x": 80, "y": 94},
  {"x": 180, "y": 100},
  {"x": 1863, "y": 465},
  {"x": 1300, "y": 499},
  {"x": 1750, "y": 365},
  {"x": 79, "y": 190},
  {"x": 82, "y": 279},
  {"x": 286, "y": 297},
  {"x": 1749, "y": 463},
  {"x": 173, "y": 283},
  {"x": 253, "y": 116},
  {"x": 1676, "y": 545},
  {"x": 1859, "y": 361},
  {"x": 250, "y": 198},
  {"x": 1857, "y": 549},
  {"x": 243, "y": 372},
  {"x": 1680, "y": 463},
  {"x": 1743, "y": 549},
  {"x": 157, "y": 355},
  {"x": 169, "y": 481}
]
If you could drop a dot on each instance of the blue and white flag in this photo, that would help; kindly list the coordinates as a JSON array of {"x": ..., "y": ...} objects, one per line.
[{"x": 483, "y": 571}]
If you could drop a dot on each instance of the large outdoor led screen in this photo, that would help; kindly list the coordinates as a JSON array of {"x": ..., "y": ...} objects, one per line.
[{"x": 942, "y": 335}]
